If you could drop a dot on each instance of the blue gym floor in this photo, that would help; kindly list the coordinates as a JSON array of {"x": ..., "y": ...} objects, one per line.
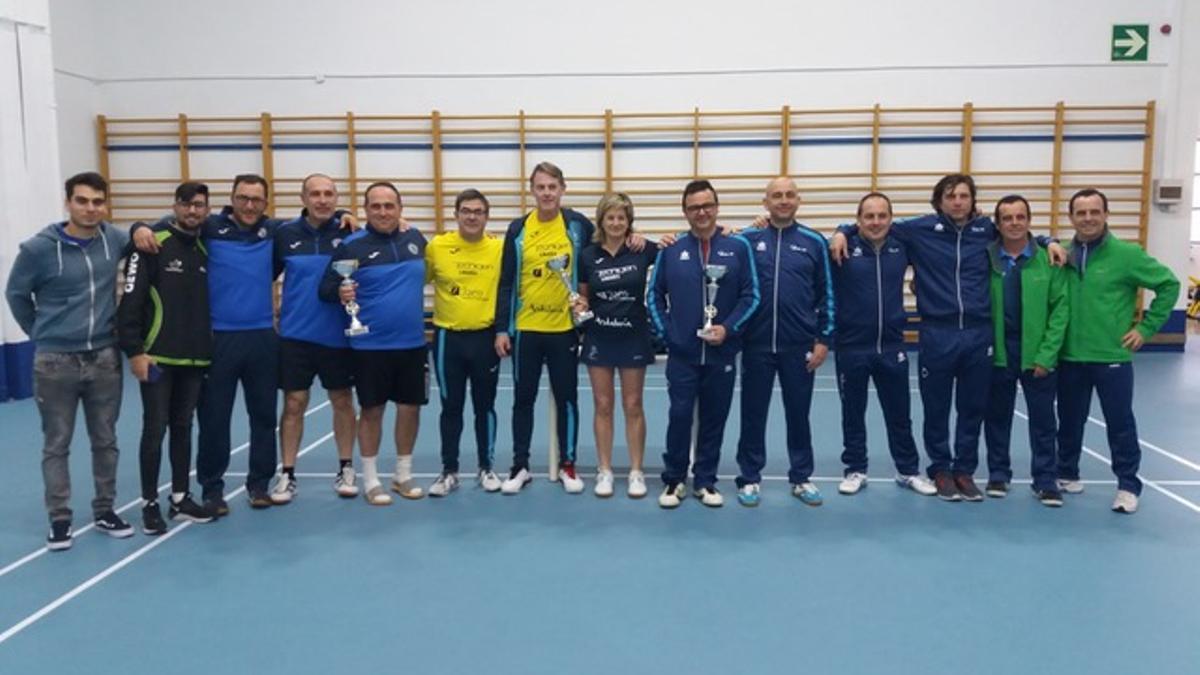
[{"x": 885, "y": 581}]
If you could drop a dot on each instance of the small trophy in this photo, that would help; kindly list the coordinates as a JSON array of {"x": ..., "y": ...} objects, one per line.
[
  {"x": 558, "y": 265},
  {"x": 714, "y": 274},
  {"x": 346, "y": 268}
]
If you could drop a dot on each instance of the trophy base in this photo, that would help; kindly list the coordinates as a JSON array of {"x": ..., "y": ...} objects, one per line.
[
  {"x": 703, "y": 332},
  {"x": 583, "y": 318},
  {"x": 355, "y": 331}
]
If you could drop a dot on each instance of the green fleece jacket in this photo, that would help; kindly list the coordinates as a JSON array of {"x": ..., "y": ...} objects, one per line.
[
  {"x": 1044, "y": 309},
  {"x": 1103, "y": 281}
]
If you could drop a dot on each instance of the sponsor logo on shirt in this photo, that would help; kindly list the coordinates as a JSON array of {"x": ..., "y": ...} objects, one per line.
[
  {"x": 796, "y": 247},
  {"x": 725, "y": 254},
  {"x": 901, "y": 357},
  {"x": 939, "y": 228},
  {"x": 224, "y": 230},
  {"x": 175, "y": 266},
  {"x": 412, "y": 248},
  {"x": 615, "y": 273},
  {"x": 294, "y": 245},
  {"x": 613, "y": 323},
  {"x": 373, "y": 255},
  {"x": 684, "y": 256},
  {"x": 857, "y": 252},
  {"x": 262, "y": 233},
  {"x": 762, "y": 246}
]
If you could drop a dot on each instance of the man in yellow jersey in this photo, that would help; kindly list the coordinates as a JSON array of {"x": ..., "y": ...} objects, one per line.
[
  {"x": 533, "y": 321},
  {"x": 464, "y": 268}
]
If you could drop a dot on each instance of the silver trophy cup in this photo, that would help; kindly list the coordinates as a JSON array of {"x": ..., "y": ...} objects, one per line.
[
  {"x": 345, "y": 269},
  {"x": 558, "y": 265},
  {"x": 714, "y": 274}
]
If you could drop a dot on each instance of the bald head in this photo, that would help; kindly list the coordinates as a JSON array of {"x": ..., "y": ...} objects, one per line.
[
  {"x": 782, "y": 199},
  {"x": 319, "y": 196}
]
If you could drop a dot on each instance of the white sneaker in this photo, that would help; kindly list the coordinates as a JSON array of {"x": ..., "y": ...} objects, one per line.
[
  {"x": 852, "y": 483},
  {"x": 604, "y": 483},
  {"x": 284, "y": 490},
  {"x": 1071, "y": 487},
  {"x": 343, "y": 483},
  {"x": 672, "y": 496},
  {"x": 515, "y": 482},
  {"x": 917, "y": 483},
  {"x": 1126, "y": 502},
  {"x": 376, "y": 495},
  {"x": 637, "y": 485},
  {"x": 407, "y": 488},
  {"x": 489, "y": 481},
  {"x": 709, "y": 496},
  {"x": 444, "y": 485},
  {"x": 572, "y": 483}
]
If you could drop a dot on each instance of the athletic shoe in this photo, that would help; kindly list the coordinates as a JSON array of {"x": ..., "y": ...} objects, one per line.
[
  {"x": 852, "y": 483},
  {"x": 216, "y": 506},
  {"x": 284, "y": 490},
  {"x": 572, "y": 483},
  {"x": 672, "y": 495},
  {"x": 996, "y": 489},
  {"x": 1051, "y": 498},
  {"x": 59, "y": 538},
  {"x": 808, "y": 493},
  {"x": 637, "y": 485},
  {"x": 967, "y": 488},
  {"x": 111, "y": 524},
  {"x": 604, "y": 483},
  {"x": 259, "y": 499},
  {"x": 189, "y": 511},
  {"x": 489, "y": 481},
  {"x": 917, "y": 483},
  {"x": 377, "y": 496},
  {"x": 1072, "y": 486},
  {"x": 343, "y": 482},
  {"x": 152, "y": 520},
  {"x": 709, "y": 496},
  {"x": 946, "y": 489},
  {"x": 747, "y": 495},
  {"x": 517, "y": 479},
  {"x": 444, "y": 485},
  {"x": 407, "y": 489},
  {"x": 1126, "y": 502}
]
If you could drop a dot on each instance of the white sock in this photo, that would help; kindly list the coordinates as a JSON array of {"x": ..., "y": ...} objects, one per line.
[
  {"x": 403, "y": 468},
  {"x": 370, "y": 472},
  {"x": 177, "y": 497}
]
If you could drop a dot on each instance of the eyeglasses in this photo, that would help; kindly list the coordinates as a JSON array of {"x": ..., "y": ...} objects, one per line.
[
  {"x": 478, "y": 213},
  {"x": 244, "y": 199},
  {"x": 697, "y": 208},
  {"x": 197, "y": 205}
]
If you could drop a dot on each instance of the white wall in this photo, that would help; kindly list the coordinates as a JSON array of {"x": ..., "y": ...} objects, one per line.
[{"x": 154, "y": 57}]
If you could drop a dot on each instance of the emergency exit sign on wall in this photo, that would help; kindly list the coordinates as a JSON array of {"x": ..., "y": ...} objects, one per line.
[{"x": 1130, "y": 42}]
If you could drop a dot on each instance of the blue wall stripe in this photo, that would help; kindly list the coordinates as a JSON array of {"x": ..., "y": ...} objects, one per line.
[{"x": 632, "y": 145}]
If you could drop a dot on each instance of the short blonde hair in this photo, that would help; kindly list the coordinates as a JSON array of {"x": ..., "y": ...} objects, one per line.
[{"x": 610, "y": 201}]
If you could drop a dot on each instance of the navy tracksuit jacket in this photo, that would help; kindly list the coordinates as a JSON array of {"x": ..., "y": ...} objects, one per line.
[
  {"x": 697, "y": 371},
  {"x": 797, "y": 311}
]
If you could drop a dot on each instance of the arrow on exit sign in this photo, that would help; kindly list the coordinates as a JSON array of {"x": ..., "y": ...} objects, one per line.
[{"x": 1130, "y": 42}]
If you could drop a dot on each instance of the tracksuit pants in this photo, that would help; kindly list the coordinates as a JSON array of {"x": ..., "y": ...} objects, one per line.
[
  {"x": 1113, "y": 383},
  {"x": 956, "y": 368},
  {"x": 460, "y": 357},
  {"x": 560, "y": 353},
  {"x": 168, "y": 403},
  {"x": 889, "y": 371},
  {"x": 758, "y": 379},
  {"x": 1043, "y": 424},
  {"x": 711, "y": 385},
  {"x": 252, "y": 358}
]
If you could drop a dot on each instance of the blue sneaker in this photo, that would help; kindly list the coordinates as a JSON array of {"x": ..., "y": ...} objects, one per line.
[
  {"x": 807, "y": 493},
  {"x": 747, "y": 495}
]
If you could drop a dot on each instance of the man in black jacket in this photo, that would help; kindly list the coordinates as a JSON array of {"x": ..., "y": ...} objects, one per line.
[{"x": 164, "y": 327}]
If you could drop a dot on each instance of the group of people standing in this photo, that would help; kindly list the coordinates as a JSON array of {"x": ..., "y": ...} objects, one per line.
[{"x": 198, "y": 316}]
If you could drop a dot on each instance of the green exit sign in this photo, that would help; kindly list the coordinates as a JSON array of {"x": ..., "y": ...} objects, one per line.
[{"x": 1130, "y": 42}]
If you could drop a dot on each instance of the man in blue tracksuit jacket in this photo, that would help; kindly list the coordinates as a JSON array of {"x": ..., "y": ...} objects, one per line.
[
  {"x": 869, "y": 287},
  {"x": 789, "y": 335},
  {"x": 700, "y": 369},
  {"x": 949, "y": 253}
]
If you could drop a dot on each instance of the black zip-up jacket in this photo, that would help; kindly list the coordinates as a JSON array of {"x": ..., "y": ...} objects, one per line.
[{"x": 164, "y": 312}]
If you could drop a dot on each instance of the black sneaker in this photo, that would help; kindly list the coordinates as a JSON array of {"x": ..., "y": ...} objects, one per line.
[
  {"x": 967, "y": 488},
  {"x": 946, "y": 490},
  {"x": 59, "y": 538},
  {"x": 152, "y": 520},
  {"x": 259, "y": 499},
  {"x": 111, "y": 524},
  {"x": 1051, "y": 498},
  {"x": 217, "y": 506},
  {"x": 996, "y": 489},
  {"x": 189, "y": 511}
]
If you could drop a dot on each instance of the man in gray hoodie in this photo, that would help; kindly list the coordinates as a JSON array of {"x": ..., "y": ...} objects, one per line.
[{"x": 62, "y": 291}]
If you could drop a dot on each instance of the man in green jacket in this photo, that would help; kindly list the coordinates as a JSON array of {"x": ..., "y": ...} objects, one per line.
[
  {"x": 1103, "y": 281},
  {"x": 1029, "y": 316}
]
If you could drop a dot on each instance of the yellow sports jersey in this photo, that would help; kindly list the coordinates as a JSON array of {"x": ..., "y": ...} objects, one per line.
[
  {"x": 542, "y": 304},
  {"x": 465, "y": 275}
]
